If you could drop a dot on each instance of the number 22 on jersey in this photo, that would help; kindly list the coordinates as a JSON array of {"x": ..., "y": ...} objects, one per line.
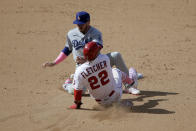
[{"x": 102, "y": 77}]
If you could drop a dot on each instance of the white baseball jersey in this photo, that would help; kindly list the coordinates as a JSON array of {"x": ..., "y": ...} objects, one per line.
[
  {"x": 76, "y": 40},
  {"x": 96, "y": 76}
]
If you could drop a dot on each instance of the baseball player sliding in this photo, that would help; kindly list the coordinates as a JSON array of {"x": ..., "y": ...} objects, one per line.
[
  {"x": 103, "y": 83},
  {"x": 76, "y": 40}
]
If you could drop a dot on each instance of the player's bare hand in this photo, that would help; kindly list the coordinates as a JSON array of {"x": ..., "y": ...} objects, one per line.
[
  {"x": 48, "y": 64},
  {"x": 80, "y": 60}
]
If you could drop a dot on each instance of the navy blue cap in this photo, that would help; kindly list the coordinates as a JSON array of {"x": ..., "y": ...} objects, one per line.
[{"x": 81, "y": 18}]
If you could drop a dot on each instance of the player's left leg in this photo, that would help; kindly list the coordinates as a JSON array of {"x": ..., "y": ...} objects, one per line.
[{"x": 117, "y": 60}]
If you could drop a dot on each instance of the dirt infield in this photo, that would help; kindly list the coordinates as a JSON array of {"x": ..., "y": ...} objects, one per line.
[{"x": 157, "y": 37}]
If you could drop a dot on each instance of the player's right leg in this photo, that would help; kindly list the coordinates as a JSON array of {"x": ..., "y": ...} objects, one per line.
[
  {"x": 118, "y": 77},
  {"x": 117, "y": 60},
  {"x": 118, "y": 81},
  {"x": 130, "y": 81},
  {"x": 116, "y": 96}
]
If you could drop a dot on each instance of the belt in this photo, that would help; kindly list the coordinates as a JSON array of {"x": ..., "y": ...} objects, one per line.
[{"x": 111, "y": 93}]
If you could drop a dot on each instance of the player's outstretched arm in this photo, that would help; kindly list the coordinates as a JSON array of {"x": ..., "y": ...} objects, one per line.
[{"x": 59, "y": 59}]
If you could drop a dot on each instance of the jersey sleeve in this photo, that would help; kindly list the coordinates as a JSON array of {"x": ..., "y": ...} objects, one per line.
[
  {"x": 97, "y": 37},
  {"x": 68, "y": 47}
]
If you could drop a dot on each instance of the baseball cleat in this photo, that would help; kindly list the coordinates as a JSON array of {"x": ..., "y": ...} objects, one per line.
[
  {"x": 134, "y": 75},
  {"x": 66, "y": 84},
  {"x": 140, "y": 76},
  {"x": 133, "y": 91}
]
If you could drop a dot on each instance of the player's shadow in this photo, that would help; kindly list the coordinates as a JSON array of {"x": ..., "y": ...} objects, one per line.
[{"x": 149, "y": 107}]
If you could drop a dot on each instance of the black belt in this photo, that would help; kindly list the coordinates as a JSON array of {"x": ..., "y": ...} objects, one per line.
[{"x": 111, "y": 93}]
